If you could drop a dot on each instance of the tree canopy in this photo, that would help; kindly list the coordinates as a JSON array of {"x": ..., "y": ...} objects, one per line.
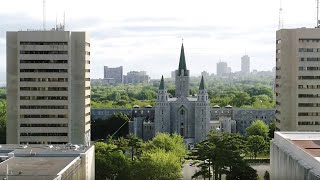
[{"x": 258, "y": 127}]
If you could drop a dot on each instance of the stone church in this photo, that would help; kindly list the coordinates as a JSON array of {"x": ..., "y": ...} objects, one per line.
[{"x": 183, "y": 114}]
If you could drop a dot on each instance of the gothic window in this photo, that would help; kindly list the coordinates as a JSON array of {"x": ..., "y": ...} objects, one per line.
[
  {"x": 202, "y": 98},
  {"x": 182, "y": 112},
  {"x": 162, "y": 111},
  {"x": 182, "y": 132}
]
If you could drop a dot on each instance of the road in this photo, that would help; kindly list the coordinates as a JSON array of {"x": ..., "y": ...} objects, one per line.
[{"x": 188, "y": 171}]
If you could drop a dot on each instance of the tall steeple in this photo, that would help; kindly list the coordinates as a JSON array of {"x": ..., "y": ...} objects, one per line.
[
  {"x": 201, "y": 87},
  {"x": 182, "y": 62},
  {"x": 161, "y": 87},
  {"x": 182, "y": 76}
]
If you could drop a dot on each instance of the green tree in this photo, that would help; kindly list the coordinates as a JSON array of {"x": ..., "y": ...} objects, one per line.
[
  {"x": 110, "y": 163},
  {"x": 135, "y": 143},
  {"x": 223, "y": 153},
  {"x": 3, "y": 117},
  {"x": 157, "y": 165},
  {"x": 272, "y": 129},
  {"x": 169, "y": 143},
  {"x": 256, "y": 145},
  {"x": 258, "y": 127}
]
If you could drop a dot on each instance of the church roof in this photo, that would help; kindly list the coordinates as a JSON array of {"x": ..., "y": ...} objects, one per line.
[
  {"x": 182, "y": 62},
  {"x": 201, "y": 87},
  {"x": 161, "y": 87}
]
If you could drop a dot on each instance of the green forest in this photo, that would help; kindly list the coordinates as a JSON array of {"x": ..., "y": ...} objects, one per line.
[{"x": 254, "y": 92}]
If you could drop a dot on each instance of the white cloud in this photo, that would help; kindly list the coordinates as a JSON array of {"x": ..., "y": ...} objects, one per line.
[{"x": 146, "y": 34}]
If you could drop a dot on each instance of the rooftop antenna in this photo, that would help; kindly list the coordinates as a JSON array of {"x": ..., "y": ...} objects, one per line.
[
  {"x": 280, "y": 25},
  {"x": 317, "y": 13},
  {"x": 64, "y": 20},
  {"x": 44, "y": 15}
]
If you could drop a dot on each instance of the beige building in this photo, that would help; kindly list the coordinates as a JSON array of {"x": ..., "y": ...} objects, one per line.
[
  {"x": 48, "y": 87},
  {"x": 295, "y": 155},
  {"x": 47, "y": 162},
  {"x": 297, "y": 84}
]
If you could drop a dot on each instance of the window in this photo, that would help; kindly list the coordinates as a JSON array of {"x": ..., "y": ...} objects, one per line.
[
  {"x": 43, "y": 97},
  {"x": 42, "y": 43},
  {"x": 43, "y": 107},
  {"x": 44, "y": 61},
  {"x": 43, "y": 125},
  {"x": 43, "y": 52},
  {"x": 44, "y": 70}
]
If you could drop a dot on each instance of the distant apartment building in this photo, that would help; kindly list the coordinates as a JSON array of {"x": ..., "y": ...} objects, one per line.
[
  {"x": 113, "y": 75},
  {"x": 173, "y": 75},
  {"x": 134, "y": 77},
  {"x": 222, "y": 68},
  {"x": 47, "y": 162},
  {"x": 297, "y": 84},
  {"x": 48, "y": 87},
  {"x": 245, "y": 64}
]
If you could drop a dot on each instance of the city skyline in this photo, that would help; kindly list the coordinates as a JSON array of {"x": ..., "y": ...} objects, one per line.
[{"x": 141, "y": 33}]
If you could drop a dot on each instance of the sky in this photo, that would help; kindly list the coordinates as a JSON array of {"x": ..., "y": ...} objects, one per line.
[{"x": 147, "y": 34}]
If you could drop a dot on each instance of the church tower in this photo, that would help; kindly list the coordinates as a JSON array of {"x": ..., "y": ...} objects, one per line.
[
  {"x": 202, "y": 113},
  {"x": 182, "y": 77},
  {"x": 162, "y": 110}
]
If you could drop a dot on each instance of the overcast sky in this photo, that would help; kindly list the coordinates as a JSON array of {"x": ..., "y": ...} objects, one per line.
[{"x": 146, "y": 34}]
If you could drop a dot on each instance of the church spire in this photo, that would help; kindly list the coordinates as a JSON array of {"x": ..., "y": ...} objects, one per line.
[
  {"x": 201, "y": 87},
  {"x": 161, "y": 87},
  {"x": 182, "y": 62}
]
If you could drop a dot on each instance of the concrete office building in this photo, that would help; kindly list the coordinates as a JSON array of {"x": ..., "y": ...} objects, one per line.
[
  {"x": 47, "y": 162},
  {"x": 134, "y": 77},
  {"x": 295, "y": 155},
  {"x": 48, "y": 87},
  {"x": 245, "y": 64},
  {"x": 297, "y": 81},
  {"x": 115, "y": 74},
  {"x": 222, "y": 68}
]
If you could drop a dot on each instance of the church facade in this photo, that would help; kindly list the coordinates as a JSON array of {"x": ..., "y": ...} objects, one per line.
[{"x": 183, "y": 114}]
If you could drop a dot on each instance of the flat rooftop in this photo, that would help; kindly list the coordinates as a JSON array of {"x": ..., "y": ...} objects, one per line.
[
  {"x": 307, "y": 142},
  {"x": 34, "y": 167}
]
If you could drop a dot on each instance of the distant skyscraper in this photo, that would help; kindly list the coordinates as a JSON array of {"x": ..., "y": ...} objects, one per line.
[
  {"x": 222, "y": 68},
  {"x": 48, "y": 87},
  {"x": 114, "y": 73},
  {"x": 297, "y": 84},
  {"x": 245, "y": 64}
]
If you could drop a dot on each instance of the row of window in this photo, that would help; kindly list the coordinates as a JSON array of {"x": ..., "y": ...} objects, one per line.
[
  {"x": 309, "y": 114},
  {"x": 43, "y": 43},
  {"x": 44, "y": 70},
  {"x": 87, "y": 53},
  {"x": 87, "y": 70},
  {"x": 43, "y": 97},
  {"x": 88, "y": 122},
  {"x": 309, "y": 40},
  {"x": 43, "y": 134},
  {"x": 87, "y": 44},
  {"x": 308, "y": 86},
  {"x": 87, "y": 62},
  {"x": 88, "y": 88},
  {"x": 309, "y": 95},
  {"x": 87, "y": 114},
  {"x": 309, "y": 49},
  {"x": 310, "y": 59},
  {"x": 88, "y": 105},
  {"x": 308, "y": 123},
  {"x": 309, "y": 68},
  {"x": 308, "y": 104},
  {"x": 45, "y": 61},
  {"x": 37, "y": 142},
  {"x": 43, "y": 125},
  {"x": 43, "y": 89},
  {"x": 43, "y": 116},
  {"x": 44, "y": 79},
  {"x": 308, "y": 77},
  {"x": 44, "y": 107},
  {"x": 43, "y": 52},
  {"x": 88, "y": 96}
]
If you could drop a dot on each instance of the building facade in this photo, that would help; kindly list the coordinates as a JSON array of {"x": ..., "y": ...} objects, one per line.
[
  {"x": 113, "y": 75},
  {"x": 297, "y": 81},
  {"x": 134, "y": 77},
  {"x": 245, "y": 65},
  {"x": 222, "y": 68},
  {"x": 48, "y": 87},
  {"x": 183, "y": 114},
  {"x": 47, "y": 162},
  {"x": 295, "y": 155}
]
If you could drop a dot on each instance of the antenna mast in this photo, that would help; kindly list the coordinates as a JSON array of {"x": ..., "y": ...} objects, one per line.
[
  {"x": 280, "y": 25},
  {"x": 44, "y": 15},
  {"x": 317, "y": 13}
]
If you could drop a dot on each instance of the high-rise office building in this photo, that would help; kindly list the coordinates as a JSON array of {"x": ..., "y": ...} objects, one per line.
[
  {"x": 48, "y": 87},
  {"x": 114, "y": 73},
  {"x": 222, "y": 68},
  {"x": 245, "y": 64},
  {"x": 297, "y": 84}
]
